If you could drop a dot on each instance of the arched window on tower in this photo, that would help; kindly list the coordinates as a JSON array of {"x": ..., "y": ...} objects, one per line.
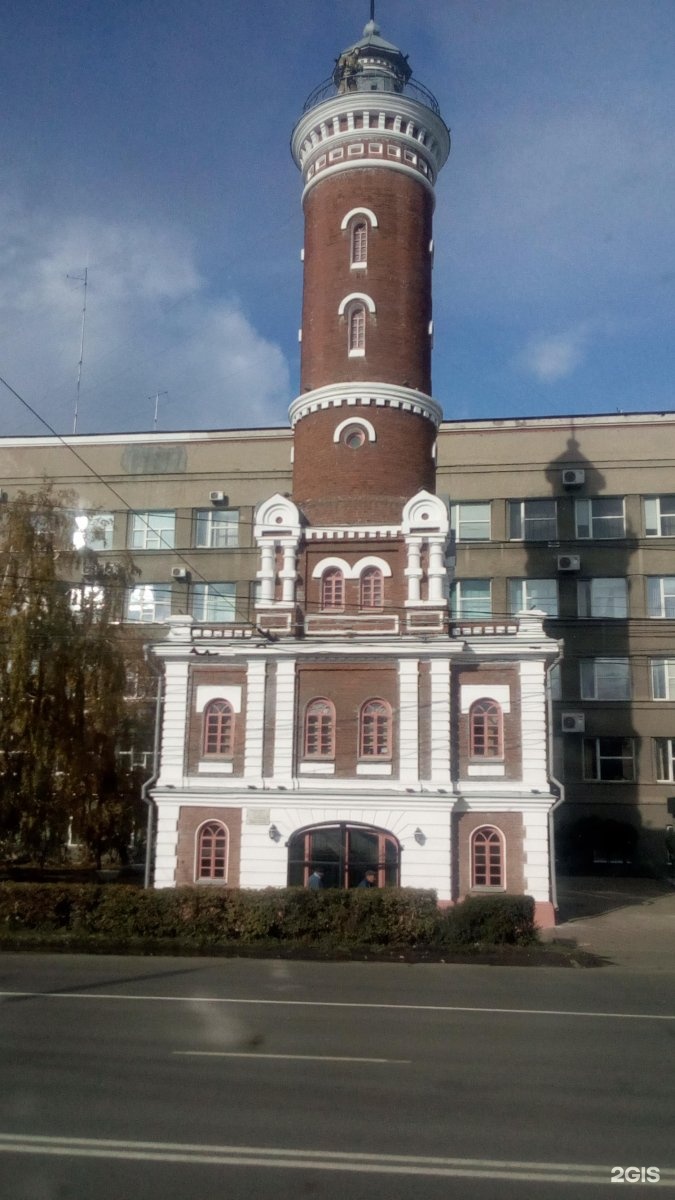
[
  {"x": 486, "y": 729},
  {"x": 375, "y": 730},
  {"x": 359, "y": 243},
  {"x": 356, "y": 327},
  {"x": 319, "y": 729},
  {"x": 333, "y": 589},
  {"x": 372, "y": 588},
  {"x": 212, "y": 845},
  {"x": 487, "y": 858},
  {"x": 219, "y": 729}
]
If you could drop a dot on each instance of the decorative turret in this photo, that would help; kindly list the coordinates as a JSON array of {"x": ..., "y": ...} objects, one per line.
[{"x": 369, "y": 144}]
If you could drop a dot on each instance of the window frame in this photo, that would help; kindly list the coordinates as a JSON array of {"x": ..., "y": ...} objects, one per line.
[
  {"x": 202, "y": 594},
  {"x": 163, "y": 600},
  {"x": 371, "y": 590},
  {"x": 141, "y": 530},
  {"x": 356, "y": 329},
  {"x": 325, "y": 719},
  {"x": 593, "y": 758},
  {"x": 593, "y": 684},
  {"x": 333, "y": 590},
  {"x": 486, "y": 719},
  {"x": 358, "y": 243},
  {"x": 209, "y": 520},
  {"x": 458, "y": 601},
  {"x": 657, "y": 518},
  {"x": 375, "y": 730},
  {"x": 586, "y": 599},
  {"x": 523, "y": 583},
  {"x": 223, "y": 732},
  {"x": 666, "y": 596},
  {"x": 458, "y": 520},
  {"x": 220, "y": 830},
  {"x": 525, "y": 522},
  {"x": 668, "y": 666},
  {"x": 491, "y": 836},
  {"x": 667, "y": 756},
  {"x": 595, "y": 502}
]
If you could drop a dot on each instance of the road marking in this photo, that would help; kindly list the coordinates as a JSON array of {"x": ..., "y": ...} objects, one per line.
[
  {"x": 300, "y": 1057},
  {"x": 315, "y": 1160},
  {"x": 449, "y": 1008}
]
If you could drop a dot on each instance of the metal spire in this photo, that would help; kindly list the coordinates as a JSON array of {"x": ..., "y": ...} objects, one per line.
[{"x": 372, "y": 10}]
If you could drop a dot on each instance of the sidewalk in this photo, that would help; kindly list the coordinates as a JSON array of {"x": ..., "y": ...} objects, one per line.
[{"x": 629, "y": 922}]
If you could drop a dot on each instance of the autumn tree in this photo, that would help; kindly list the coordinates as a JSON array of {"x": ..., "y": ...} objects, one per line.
[{"x": 63, "y": 670}]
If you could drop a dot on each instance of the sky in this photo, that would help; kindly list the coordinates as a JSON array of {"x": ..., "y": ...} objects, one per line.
[{"x": 148, "y": 142}]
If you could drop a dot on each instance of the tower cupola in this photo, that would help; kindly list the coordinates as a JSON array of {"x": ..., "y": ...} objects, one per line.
[{"x": 371, "y": 65}]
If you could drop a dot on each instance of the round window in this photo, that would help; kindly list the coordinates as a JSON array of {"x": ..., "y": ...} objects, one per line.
[{"x": 353, "y": 437}]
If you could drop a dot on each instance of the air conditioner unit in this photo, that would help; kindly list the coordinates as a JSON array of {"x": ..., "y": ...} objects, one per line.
[
  {"x": 217, "y": 497},
  {"x": 572, "y": 722},
  {"x": 569, "y": 562},
  {"x": 179, "y": 573},
  {"x": 573, "y": 478}
]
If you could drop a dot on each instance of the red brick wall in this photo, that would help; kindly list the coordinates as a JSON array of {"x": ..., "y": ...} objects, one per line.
[
  {"x": 348, "y": 686},
  {"x": 218, "y": 676},
  {"x": 189, "y": 820},
  {"x": 393, "y": 552},
  {"x": 397, "y": 278},
  {"x": 510, "y": 825},
  {"x": 334, "y": 484},
  {"x": 484, "y": 674}
]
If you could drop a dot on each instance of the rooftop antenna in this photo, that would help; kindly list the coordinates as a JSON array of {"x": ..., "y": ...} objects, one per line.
[
  {"x": 157, "y": 396},
  {"x": 83, "y": 280},
  {"x": 372, "y": 10}
]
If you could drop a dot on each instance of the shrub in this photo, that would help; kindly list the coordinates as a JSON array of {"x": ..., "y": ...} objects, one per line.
[{"x": 493, "y": 920}]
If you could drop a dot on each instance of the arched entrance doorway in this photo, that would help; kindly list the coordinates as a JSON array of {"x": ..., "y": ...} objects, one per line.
[{"x": 345, "y": 850}]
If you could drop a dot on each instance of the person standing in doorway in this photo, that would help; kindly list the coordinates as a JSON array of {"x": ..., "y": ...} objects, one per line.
[
  {"x": 369, "y": 880},
  {"x": 315, "y": 881}
]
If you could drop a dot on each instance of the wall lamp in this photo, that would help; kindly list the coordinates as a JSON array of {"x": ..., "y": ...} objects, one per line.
[
  {"x": 419, "y": 836},
  {"x": 273, "y": 833}
]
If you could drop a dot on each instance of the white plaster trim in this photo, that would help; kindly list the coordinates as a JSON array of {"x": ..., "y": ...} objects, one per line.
[
  {"x": 359, "y": 422},
  {"x": 205, "y": 693},
  {"x": 255, "y": 716},
  {"x": 371, "y": 560},
  {"x": 206, "y": 767},
  {"x": 363, "y": 394},
  {"x": 408, "y": 707},
  {"x": 389, "y": 164},
  {"x": 317, "y": 768},
  {"x": 285, "y": 718},
  {"x": 326, "y": 564},
  {"x": 470, "y": 692},
  {"x": 404, "y": 108},
  {"x": 533, "y": 723},
  {"x": 487, "y": 770},
  {"x": 440, "y": 720},
  {"x": 359, "y": 212},
  {"x": 353, "y": 297},
  {"x": 373, "y": 768},
  {"x": 174, "y": 722}
]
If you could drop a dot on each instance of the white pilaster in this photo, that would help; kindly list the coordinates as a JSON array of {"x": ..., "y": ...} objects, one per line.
[
  {"x": 288, "y": 573},
  {"x": 255, "y": 719},
  {"x": 440, "y": 721},
  {"x": 533, "y": 722},
  {"x": 166, "y": 845},
  {"x": 536, "y": 864},
  {"x": 436, "y": 570},
  {"x": 284, "y": 728},
  {"x": 408, "y": 722},
  {"x": 174, "y": 724},
  {"x": 413, "y": 571},
  {"x": 266, "y": 573}
]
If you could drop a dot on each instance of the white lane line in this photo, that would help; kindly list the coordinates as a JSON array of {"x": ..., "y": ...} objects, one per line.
[
  {"x": 449, "y": 1008},
  {"x": 383, "y": 1164},
  {"x": 299, "y": 1057}
]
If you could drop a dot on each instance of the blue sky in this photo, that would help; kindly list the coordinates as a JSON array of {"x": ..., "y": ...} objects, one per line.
[{"x": 148, "y": 141}]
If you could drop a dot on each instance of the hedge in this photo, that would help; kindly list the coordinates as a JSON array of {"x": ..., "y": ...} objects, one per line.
[{"x": 206, "y": 916}]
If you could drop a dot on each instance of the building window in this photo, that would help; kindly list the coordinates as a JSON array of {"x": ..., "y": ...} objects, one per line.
[
  {"x": 472, "y": 599},
  {"x": 213, "y": 602},
  {"x": 354, "y": 437},
  {"x": 487, "y": 859},
  {"x": 333, "y": 590},
  {"x": 663, "y": 678},
  {"x": 93, "y": 530},
  {"x": 319, "y": 729},
  {"x": 660, "y": 516},
  {"x": 375, "y": 730},
  {"x": 609, "y": 759},
  {"x": 602, "y": 598},
  {"x": 604, "y": 678},
  {"x": 661, "y": 596},
  {"x": 533, "y": 520},
  {"x": 601, "y": 517},
  {"x": 149, "y": 603},
  {"x": 359, "y": 244},
  {"x": 371, "y": 588},
  {"x": 217, "y": 528},
  {"x": 356, "y": 326},
  {"x": 525, "y": 594},
  {"x": 212, "y": 842},
  {"x": 665, "y": 759},
  {"x": 218, "y": 725},
  {"x": 152, "y": 530},
  {"x": 486, "y": 730},
  {"x": 344, "y": 852},
  {"x": 470, "y": 522}
]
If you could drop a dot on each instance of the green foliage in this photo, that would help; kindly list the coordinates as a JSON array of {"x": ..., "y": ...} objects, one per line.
[
  {"x": 204, "y": 916},
  {"x": 62, "y": 682}
]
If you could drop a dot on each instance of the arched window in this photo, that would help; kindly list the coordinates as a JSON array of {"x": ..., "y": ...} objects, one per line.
[
  {"x": 219, "y": 728},
  {"x": 212, "y": 843},
  {"x": 344, "y": 851},
  {"x": 487, "y": 858},
  {"x": 486, "y": 730},
  {"x": 319, "y": 729},
  {"x": 356, "y": 326},
  {"x": 375, "y": 730},
  {"x": 333, "y": 589},
  {"x": 372, "y": 588},
  {"x": 359, "y": 243}
]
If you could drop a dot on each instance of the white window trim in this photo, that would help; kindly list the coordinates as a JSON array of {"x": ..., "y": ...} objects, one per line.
[
  {"x": 359, "y": 422},
  {"x": 357, "y": 297}
]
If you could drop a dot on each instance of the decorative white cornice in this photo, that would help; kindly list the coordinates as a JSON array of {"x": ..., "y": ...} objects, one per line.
[
  {"x": 376, "y": 395},
  {"x": 320, "y": 124}
]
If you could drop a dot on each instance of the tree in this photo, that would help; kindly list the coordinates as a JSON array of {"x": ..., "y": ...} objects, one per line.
[{"x": 62, "y": 686}]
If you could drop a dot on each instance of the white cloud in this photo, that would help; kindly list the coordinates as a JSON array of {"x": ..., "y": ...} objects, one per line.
[
  {"x": 151, "y": 325},
  {"x": 556, "y": 356}
]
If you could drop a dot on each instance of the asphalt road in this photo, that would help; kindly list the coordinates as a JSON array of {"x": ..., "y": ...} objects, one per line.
[{"x": 140, "y": 1079}]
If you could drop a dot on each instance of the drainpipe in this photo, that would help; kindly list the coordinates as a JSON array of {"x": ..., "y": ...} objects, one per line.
[
  {"x": 145, "y": 789},
  {"x": 558, "y": 783}
]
